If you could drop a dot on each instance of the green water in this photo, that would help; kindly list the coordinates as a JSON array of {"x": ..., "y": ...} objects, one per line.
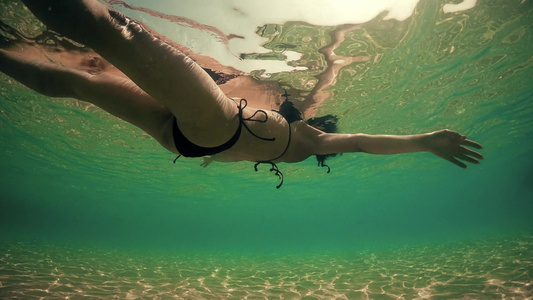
[{"x": 91, "y": 206}]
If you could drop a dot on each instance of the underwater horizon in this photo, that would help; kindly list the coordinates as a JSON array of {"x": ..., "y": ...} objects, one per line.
[{"x": 93, "y": 207}]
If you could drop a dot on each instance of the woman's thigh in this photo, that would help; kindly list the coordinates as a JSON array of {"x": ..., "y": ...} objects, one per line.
[
  {"x": 165, "y": 73},
  {"x": 123, "y": 99}
]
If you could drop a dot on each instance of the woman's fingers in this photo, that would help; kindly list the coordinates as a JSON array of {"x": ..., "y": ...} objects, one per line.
[
  {"x": 466, "y": 155},
  {"x": 471, "y": 153},
  {"x": 463, "y": 153},
  {"x": 456, "y": 162},
  {"x": 469, "y": 159},
  {"x": 470, "y": 143}
]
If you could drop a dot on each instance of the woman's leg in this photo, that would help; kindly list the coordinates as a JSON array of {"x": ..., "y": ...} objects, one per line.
[
  {"x": 163, "y": 72},
  {"x": 116, "y": 95}
]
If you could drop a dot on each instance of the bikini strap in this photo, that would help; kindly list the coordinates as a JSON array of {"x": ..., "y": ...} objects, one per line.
[
  {"x": 274, "y": 168},
  {"x": 242, "y": 105}
]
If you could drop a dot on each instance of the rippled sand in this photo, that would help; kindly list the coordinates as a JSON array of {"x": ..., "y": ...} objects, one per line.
[{"x": 492, "y": 269}]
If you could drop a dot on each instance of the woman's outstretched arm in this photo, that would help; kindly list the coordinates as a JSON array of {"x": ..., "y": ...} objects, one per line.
[{"x": 446, "y": 144}]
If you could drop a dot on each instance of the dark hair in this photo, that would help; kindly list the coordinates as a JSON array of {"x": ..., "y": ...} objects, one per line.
[
  {"x": 289, "y": 112},
  {"x": 327, "y": 123}
]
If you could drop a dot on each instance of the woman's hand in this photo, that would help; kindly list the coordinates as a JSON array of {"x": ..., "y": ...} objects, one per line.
[
  {"x": 449, "y": 145},
  {"x": 207, "y": 160}
]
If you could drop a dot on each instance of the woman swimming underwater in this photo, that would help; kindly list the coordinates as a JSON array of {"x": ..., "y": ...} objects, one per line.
[{"x": 174, "y": 100}]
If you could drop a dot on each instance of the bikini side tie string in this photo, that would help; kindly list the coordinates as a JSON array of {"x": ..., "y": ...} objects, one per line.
[
  {"x": 242, "y": 105},
  {"x": 274, "y": 168}
]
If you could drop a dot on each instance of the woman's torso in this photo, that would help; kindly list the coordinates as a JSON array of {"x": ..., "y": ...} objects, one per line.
[{"x": 269, "y": 138}]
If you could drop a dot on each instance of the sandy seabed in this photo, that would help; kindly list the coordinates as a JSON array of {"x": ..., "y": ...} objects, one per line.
[{"x": 487, "y": 269}]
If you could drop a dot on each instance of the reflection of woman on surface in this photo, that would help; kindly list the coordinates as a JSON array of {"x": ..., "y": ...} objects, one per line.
[{"x": 175, "y": 101}]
